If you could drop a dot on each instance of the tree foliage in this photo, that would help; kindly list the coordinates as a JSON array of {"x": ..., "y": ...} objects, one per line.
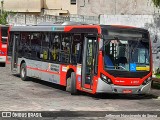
[
  {"x": 3, "y": 18},
  {"x": 156, "y": 3}
]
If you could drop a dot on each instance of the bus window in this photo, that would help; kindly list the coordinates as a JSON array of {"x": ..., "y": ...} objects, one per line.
[
  {"x": 45, "y": 46},
  {"x": 77, "y": 49},
  {"x": 24, "y": 45},
  {"x": 55, "y": 47},
  {"x": 35, "y": 45},
  {"x": 66, "y": 48}
]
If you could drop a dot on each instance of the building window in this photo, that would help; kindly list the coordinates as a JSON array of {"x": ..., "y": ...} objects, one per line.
[{"x": 73, "y": 2}]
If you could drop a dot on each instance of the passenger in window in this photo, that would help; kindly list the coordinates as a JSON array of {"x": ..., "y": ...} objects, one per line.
[
  {"x": 37, "y": 49},
  {"x": 79, "y": 52},
  {"x": 35, "y": 46},
  {"x": 73, "y": 55},
  {"x": 27, "y": 47},
  {"x": 68, "y": 48},
  {"x": 45, "y": 54},
  {"x": 53, "y": 52}
]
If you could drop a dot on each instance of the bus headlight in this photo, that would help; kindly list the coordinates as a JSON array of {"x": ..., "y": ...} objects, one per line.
[
  {"x": 105, "y": 79},
  {"x": 147, "y": 81}
]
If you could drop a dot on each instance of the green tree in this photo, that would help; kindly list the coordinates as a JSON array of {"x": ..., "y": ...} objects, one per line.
[
  {"x": 3, "y": 17},
  {"x": 156, "y": 3}
]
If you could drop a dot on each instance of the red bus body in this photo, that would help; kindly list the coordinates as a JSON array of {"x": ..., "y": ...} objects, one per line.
[{"x": 4, "y": 32}]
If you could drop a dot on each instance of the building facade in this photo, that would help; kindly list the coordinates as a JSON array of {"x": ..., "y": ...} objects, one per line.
[
  {"x": 116, "y": 7},
  {"x": 81, "y": 7},
  {"x": 43, "y": 7}
]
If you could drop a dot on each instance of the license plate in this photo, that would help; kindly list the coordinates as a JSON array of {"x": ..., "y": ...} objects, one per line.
[{"x": 127, "y": 91}]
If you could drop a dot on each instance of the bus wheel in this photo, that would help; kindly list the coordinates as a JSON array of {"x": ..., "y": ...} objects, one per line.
[
  {"x": 73, "y": 84},
  {"x": 2, "y": 64},
  {"x": 23, "y": 72}
]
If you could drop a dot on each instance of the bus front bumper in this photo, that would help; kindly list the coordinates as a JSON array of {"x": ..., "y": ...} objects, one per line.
[
  {"x": 103, "y": 87},
  {"x": 2, "y": 59}
]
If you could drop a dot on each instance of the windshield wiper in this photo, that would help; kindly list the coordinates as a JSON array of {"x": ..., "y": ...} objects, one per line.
[{"x": 122, "y": 67}]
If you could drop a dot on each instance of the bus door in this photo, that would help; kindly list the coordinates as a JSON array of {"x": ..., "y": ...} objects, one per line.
[
  {"x": 89, "y": 52},
  {"x": 15, "y": 52}
]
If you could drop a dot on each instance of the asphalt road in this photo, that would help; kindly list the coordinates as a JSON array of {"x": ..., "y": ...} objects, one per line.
[{"x": 36, "y": 95}]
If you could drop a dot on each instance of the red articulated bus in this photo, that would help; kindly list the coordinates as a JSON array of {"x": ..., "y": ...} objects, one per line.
[
  {"x": 90, "y": 58},
  {"x": 4, "y": 30}
]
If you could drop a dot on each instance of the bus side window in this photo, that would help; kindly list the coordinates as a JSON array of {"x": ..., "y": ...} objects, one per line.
[
  {"x": 45, "y": 46},
  {"x": 55, "y": 47},
  {"x": 77, "y": 49},
  {"x": 66, "y": 48},
  {"x": 35, "y": 45},
  {"x": 24, "y": 45}
]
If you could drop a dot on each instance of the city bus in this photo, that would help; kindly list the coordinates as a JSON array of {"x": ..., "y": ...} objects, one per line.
[
  {"x": 4, "y": 30},
  {"x": 81, "y": 57}
]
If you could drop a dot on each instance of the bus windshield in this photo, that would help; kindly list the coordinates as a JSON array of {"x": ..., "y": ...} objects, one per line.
[{"x": 126, "y": 52}]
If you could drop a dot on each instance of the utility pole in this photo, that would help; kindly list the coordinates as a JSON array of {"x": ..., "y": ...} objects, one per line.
[{"x": 2, "y": 2}]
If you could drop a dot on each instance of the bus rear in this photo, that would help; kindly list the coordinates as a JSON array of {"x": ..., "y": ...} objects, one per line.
[
  {"x": 3, "y": 44},
  {"x": 125, "y": 64}
]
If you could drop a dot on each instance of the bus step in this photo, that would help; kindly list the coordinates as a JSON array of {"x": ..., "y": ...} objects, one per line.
[{"x": 88, "y": 90}]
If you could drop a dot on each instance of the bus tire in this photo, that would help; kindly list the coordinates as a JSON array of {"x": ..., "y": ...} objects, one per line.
[
  {"x": 3, "y": 64},
  {"x": 73, "y": 84},
  {"x": 23, "y": 72}
]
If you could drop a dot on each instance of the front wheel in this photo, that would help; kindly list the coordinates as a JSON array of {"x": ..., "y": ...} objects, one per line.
[
  {"x": 2, "y": 64},
  {"x": 23, "y": 72},
  {"x": 73, "y": 83}
]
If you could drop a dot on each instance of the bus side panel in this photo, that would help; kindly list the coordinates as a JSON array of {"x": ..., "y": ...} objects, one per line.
[
  {"x": 3, "y": 52},
  {"x": 27, "y": 64},
  {"x": 34, "y": 68},
  {"x": 50, "y": 72},
  {"x": 3, "y": 46},
  {"x": 95, "y": 81},
  {"x": 63, "y": 73},
  {"x": 79, "y": 77},
  {"x": 18, "y": 65},
  {"x": 100, "y": 68},
  {"x": 79, "y": 80}
]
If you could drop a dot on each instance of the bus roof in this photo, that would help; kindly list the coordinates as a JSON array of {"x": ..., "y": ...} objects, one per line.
[
  {"x": 121, "y": 27},
  {"x": 69, "y": 26}
]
